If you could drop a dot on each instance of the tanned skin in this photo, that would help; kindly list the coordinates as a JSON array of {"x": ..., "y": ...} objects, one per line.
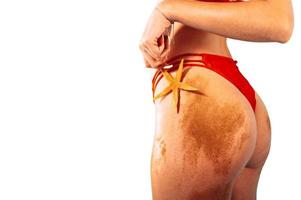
[
  {"x": 216, "y": 146},
  {"x": 256, "y": 20}
]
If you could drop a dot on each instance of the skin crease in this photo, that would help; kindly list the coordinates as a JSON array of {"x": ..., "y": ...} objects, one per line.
[{"x": 216, "y": 146}]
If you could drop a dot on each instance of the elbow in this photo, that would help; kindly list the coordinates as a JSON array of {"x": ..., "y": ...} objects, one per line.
[{"x": 285, "y": 31}]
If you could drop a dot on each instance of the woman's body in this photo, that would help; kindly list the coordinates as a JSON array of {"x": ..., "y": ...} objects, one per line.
[
  {"x": 168, "y": 122},
  {"x": 216, "y": 146}
]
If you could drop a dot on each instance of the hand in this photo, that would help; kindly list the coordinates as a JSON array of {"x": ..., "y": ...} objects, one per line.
[{"x": 154, "y": 43}]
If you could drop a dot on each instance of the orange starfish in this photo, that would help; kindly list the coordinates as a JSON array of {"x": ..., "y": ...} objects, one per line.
[{"x": 175, "y": 84}]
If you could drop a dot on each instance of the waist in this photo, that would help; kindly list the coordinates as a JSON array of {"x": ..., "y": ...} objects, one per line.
[{"x": 188, "y": 39}]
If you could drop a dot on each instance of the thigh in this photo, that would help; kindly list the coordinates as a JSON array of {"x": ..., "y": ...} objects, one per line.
[
  {"x": 245, "y": 186},
  {"x": 198, "y": 151}
]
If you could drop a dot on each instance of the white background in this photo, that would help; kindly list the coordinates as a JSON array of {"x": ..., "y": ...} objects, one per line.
[{"x": 76, "y": 110}]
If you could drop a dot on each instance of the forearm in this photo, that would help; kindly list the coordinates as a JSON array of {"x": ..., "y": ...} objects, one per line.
[{"x": 255, "y": 20}]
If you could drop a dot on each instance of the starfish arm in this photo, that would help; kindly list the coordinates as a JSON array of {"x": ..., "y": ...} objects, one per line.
[
  {"x": 175, "y": 96},
  {"x": 180, "y": 70},
  {"x": 163, "y": 92},
  {"x": 186, "y": 86},
  {"x": 168, "y": 76}
]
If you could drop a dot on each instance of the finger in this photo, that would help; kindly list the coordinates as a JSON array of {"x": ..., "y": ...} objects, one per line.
[
  {"x": 168, "y": 30},
  {"x": 166, "y": 50},
  {"x": 149, "y": 59},
  {"x": 166, "y": 45},
  {"x": 161, "y": 44},
  {"x": 148, "y": 51},
  {"x": 158, "y": 63},
  {"x": 153, "y": 49},
  {"x": 146, "y": 63},
  {"x": 145, "y": 47}
]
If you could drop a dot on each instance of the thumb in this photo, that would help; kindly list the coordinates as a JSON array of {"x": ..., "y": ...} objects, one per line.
[{"x": 161, "y": 43}]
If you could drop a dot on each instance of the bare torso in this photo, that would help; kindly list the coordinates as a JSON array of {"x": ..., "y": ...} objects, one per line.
[{"x": 194, "y": 40}]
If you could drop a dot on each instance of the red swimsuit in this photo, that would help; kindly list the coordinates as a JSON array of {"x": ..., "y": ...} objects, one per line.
[{"x": 225, "y": 66}]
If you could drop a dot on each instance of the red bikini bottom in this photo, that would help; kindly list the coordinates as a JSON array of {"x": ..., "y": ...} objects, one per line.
[{"x": 225, "y": 66}]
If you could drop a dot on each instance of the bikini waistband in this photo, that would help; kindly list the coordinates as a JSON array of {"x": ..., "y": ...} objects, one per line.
[{"x": 205, "y": 58}]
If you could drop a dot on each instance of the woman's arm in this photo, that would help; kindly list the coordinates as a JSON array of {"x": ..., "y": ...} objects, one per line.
[{"x": 255, "y": 20}]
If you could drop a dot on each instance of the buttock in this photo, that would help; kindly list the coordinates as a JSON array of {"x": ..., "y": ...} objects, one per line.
[{"x": 201, "y": 147}]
